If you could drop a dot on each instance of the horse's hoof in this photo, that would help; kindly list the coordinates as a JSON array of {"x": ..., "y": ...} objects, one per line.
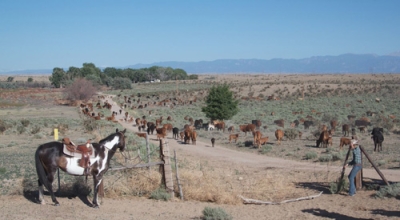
[
  {"x": 57, "y": 204},
  {"x": 96, "y": 206}
]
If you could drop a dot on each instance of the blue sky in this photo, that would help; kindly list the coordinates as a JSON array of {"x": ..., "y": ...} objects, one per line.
[{"x": 50, "y": 33}]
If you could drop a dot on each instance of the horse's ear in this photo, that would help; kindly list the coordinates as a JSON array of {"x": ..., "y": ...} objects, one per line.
[{"x": 123, "y": 131}]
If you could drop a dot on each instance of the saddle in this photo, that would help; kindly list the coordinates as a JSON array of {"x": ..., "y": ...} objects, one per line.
[{"x": 85, "y": 150}]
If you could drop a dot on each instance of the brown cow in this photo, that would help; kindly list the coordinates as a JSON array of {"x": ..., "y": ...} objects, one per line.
[
  {"x": 161, "y": 133},
  {"x": 247, "y": 128},
  {"x": 138, "y": 122},
  {"x": 193, "y": 136},
  {"x": 233, "y": 137},
  {"x": 362, "y": 129},
  {"x": 280, "y": 123},
  {"x": 168, "y": 127},
  {"x": 334, "y": 123},
  {"x": 279, "y": 135},
  {"x": 188, "y": 135},
  {"x": 256, "y": 135},
  {"x": 231, "y": 129},
  {"x": 143, "y": 135},
  {"x": 345, "y": 130},
  {"x": 344, "y": 141},
  {"x": 330, "y": 141},
  {"x": 182, "y": 135},
  {"x": 262, "y": 141},
  {"x": 323, "y": 138},
  {"x": 220, "y": 125}
]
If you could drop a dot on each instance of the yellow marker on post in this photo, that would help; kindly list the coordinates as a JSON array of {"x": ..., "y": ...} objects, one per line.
[{"x": 56, "y": 134}]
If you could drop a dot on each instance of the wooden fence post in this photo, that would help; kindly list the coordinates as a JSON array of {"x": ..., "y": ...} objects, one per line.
[
  {"x": 373, "y": 164},
  {"x": 166, "y": 167}
]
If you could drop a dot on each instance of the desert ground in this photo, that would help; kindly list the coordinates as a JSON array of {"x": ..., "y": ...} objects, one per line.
[{"x": 279, "y": 176}]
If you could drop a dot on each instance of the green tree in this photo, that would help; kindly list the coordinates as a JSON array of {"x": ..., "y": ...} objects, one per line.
[
  {"x": 121, "y": 83},
  {"x": 57, "y": 77},
  {"x": 30, "y": 79},
  {"x": 10, "y": 79},
  {"x": 220, "y": 103}
]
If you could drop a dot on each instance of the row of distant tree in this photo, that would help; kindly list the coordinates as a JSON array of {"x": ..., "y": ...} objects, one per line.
[{"x": 114, "y": 77}]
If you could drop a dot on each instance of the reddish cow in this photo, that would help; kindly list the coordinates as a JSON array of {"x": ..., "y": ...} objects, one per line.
[
  {"x": 247, "y": 128},
  {"x": 279, "y": 135},
  {"x": 344, "y": 141},
  {"x": 262, "y": 141},
  {"x": 233, "y": 137},
  {"x": 256, "y": 135},
  {"x": 323, "y": 138}
]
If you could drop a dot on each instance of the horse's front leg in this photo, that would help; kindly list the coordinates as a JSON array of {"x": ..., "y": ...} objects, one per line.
[{"x": 97, "y": 179}]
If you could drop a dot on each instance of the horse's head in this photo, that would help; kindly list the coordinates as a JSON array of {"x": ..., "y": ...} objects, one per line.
[{"x": 121, "y": 144}]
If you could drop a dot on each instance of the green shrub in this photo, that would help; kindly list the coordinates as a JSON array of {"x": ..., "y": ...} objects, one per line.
[
  {"x": 381, "y": 162},
  {"x": 291, "y": 133},
  {"x": 325, "y": 158},
  {"x": 160, "y": 194},
  {"x": 265, "y": 149},
  {"x": 215, "y": 214},
  {"x": 21, "y": 129},
  {"x": 337, "y": 187},
  {"x": 337, "y": 156},
  {"x": 35, "y": 129},
  {"x": 2, "y": 170},
  {"x": 311, "y": 155},
  {"x": 389, "y": 191},
  {"x": 25, "y": 122}
]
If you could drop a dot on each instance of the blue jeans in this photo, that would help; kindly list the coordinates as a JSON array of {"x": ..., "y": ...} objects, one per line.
[{"x": 352, "y": 175}]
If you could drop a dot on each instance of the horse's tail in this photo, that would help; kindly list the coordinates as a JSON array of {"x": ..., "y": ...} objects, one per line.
[{"x": 40, "y": 171}]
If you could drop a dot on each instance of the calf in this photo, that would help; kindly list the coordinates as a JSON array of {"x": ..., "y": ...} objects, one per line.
[
  {"x": 233, "y": 137},
  {"x": 262, "y": 141},
  {"x": 279, "y": 135},
  {"x": 344, "y": 141}
]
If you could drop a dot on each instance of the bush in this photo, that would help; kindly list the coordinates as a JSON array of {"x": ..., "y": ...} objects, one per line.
[
  {"x": 389, "y": 191},
  {"x": 337, "y": 187},
  {"x": 291, "y": 133},
  {"x": 25, "y": 122},
  {"x": 265, "y": 149},
  {"x": 21, "y": 129},
  {"x": 35, "y": 129},
  {"x": 325, "y": 158},
  {"x": 121, "y": 83},
  {"x": 160, "y": 194},
  {"x": 311, "y": 155},
  {"x": 80, "y": 89},
  {"x": 215, "y": 214}
]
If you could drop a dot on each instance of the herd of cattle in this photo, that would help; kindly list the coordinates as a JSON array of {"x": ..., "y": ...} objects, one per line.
[{"x": 188, "y": 133}]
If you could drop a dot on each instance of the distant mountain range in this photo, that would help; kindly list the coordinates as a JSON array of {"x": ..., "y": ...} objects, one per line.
[{"x": 346, "y": 63}]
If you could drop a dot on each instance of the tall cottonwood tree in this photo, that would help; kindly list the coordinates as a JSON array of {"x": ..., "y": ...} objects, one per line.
[{"x": 220, "y": 103}]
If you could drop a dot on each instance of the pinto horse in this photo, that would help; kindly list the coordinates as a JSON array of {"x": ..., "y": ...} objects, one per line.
[{"x": 49, "y": 157}]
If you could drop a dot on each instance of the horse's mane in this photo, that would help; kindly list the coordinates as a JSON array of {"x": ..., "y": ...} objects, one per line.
[{"x": 111, "y": 136}]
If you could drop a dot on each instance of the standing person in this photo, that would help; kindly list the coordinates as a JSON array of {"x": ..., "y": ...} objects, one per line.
[{"x": 357, "y": 166}]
